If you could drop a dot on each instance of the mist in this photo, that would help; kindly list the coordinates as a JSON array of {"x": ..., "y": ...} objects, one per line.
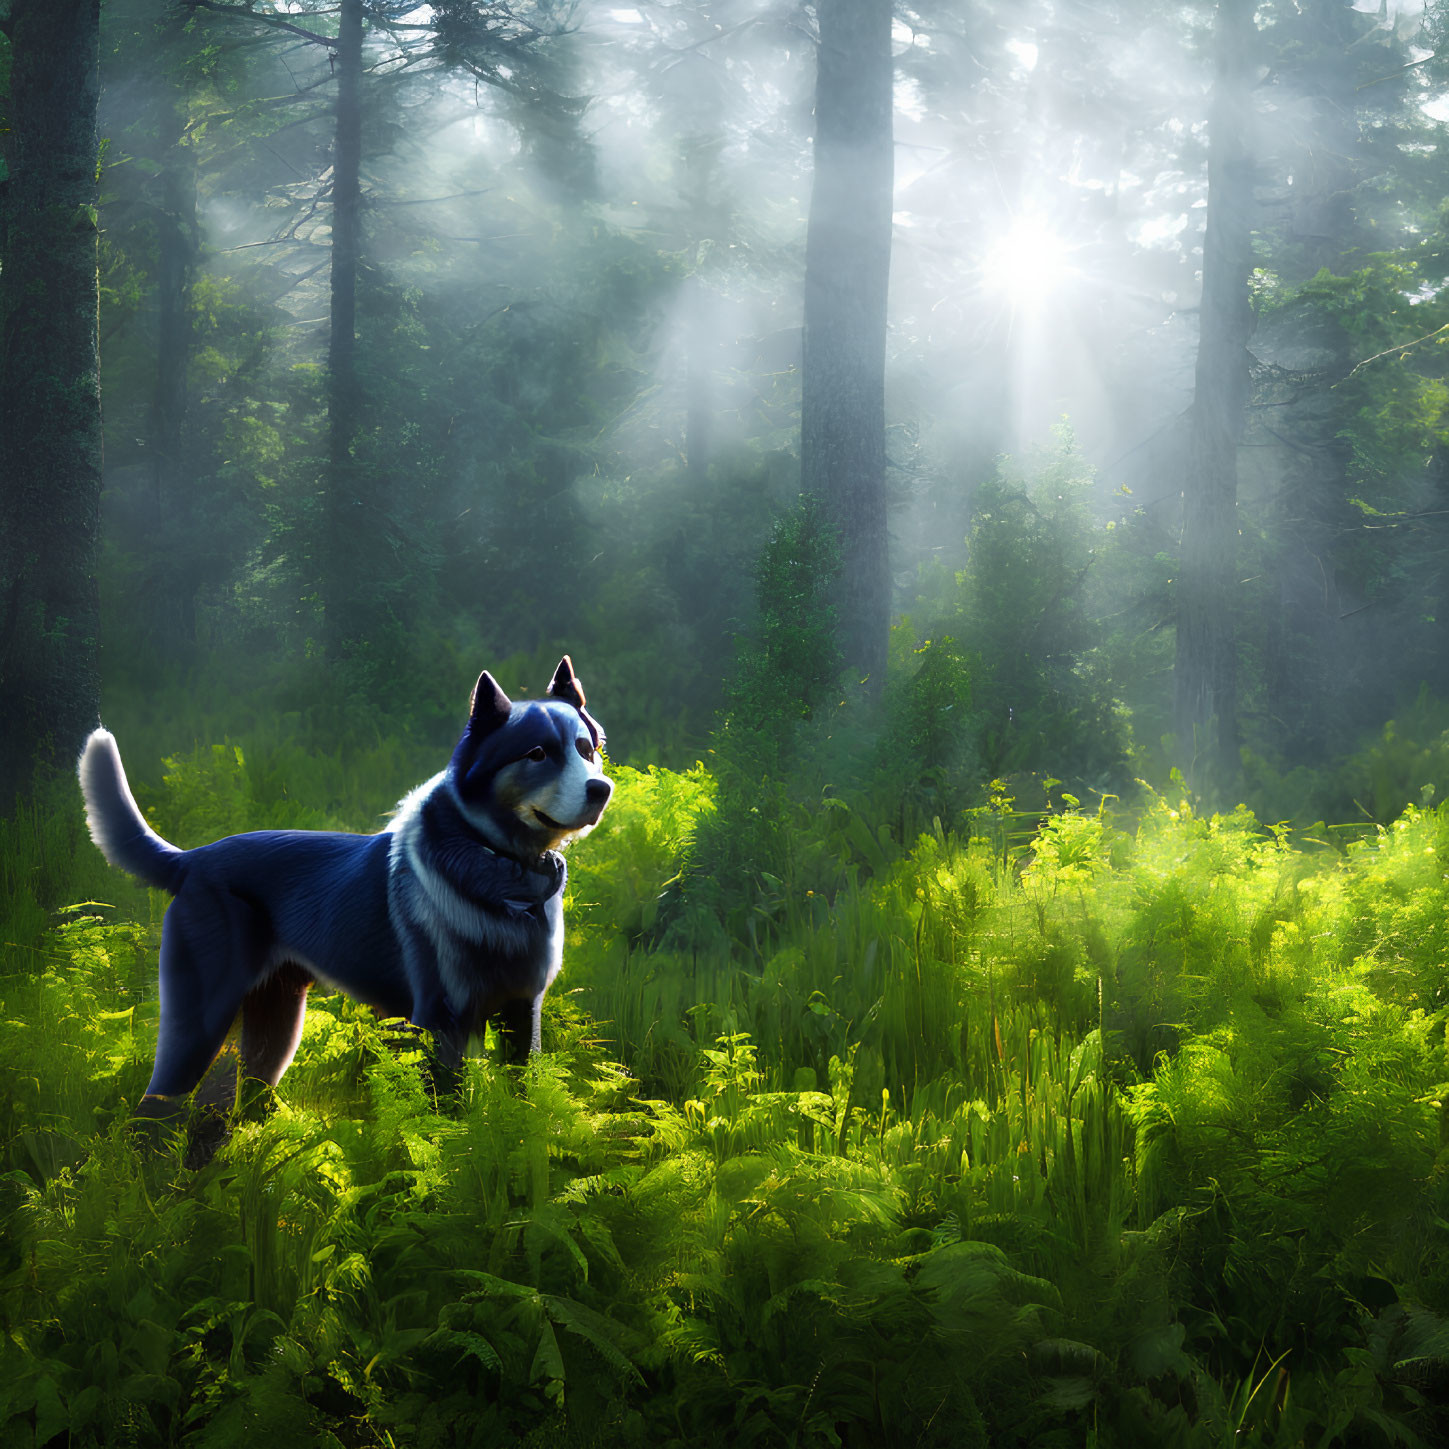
[
  {"x": 577, "y": 385},
  {"x": 938, "y": 508}
]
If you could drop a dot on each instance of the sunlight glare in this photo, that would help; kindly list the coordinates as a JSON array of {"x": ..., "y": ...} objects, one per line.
[
  {"x": 1025, "y": 263},
  {"x": 1025, "y": 52}
]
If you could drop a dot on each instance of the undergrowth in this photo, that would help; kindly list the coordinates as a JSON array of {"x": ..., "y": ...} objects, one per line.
[{"x": 1123, "y": 1130}]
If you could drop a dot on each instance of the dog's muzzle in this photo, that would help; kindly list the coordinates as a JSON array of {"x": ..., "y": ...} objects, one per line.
[{"x": 596, "y": 796}]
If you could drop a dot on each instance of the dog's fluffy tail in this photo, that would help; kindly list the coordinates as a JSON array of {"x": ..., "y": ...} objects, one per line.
[{"x": 117, "y": 825}]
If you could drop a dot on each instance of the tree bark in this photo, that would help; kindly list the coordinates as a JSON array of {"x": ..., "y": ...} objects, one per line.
[
  {"x": 50, "y": 419},
  {"x": 700, "y": 345},
  {"x": 1206, "y": 665},
  {"x": 175, "y": 571},
  {"x": 847, "y": 273},
  {"x": 344, "y": 506}
]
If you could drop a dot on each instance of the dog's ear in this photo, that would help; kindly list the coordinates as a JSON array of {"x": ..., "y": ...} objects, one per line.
[
  {"x": 565, "y": 684},
  {"x": 488, "y": 708}
]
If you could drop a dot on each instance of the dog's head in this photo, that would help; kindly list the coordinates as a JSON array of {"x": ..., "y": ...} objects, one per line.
[{"x": 530, "y": 773}]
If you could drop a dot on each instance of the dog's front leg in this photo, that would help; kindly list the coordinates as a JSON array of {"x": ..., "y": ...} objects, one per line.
[
  {"x": 445, "y": 1067},
  {"x": 521, "y": 1028}
]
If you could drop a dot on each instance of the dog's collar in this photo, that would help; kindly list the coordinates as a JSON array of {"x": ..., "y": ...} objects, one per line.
[
  {"x": 476, "y": 866},
  {"x": 536, "y": 880},
  {"x": 550, "y": 863}
]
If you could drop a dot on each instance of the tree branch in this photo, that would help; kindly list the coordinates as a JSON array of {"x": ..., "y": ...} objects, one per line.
[
  {"x": 1395, "y": 74},
  {"x": 1402, "y": 347},
  {"x": 274, "y": 21}
]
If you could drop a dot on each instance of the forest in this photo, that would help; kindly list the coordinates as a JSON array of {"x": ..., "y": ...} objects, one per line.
[{"x": 988, "y": 461}]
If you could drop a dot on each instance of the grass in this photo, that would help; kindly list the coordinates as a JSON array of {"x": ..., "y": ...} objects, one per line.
[{"x": 1121, "y": 1129}]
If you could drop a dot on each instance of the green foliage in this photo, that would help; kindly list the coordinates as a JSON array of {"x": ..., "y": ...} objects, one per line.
[
  {"x": 1404, "y": 763},
  {"x": 45, "y": 858},
  {"x": 1130, "y": 1127},
  {"x": 1393, "y": 406},
  {"x": 787, "y": 669},
  {"x": 1010, "y": 674},
  {"x": 648, "y": 829},
  {"x": 785, "y": 674},
  {"x": 1342, "y": 585}
]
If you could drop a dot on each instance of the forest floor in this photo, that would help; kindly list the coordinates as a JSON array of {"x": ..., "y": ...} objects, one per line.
[{"x": 1114, "y": 1127}]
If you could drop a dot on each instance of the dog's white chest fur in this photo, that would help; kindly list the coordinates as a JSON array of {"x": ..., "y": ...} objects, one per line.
[{"x": 500, "y": 926}]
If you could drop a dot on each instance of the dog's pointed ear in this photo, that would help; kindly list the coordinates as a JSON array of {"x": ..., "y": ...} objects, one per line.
[
  {"x": 489, "y": 707},
  {"x": 565, "y": 684}
]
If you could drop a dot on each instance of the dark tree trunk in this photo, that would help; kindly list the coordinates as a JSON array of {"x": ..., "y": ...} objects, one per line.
[
  {"x": 847, "y": 270},
  {"x": 344, "y": 506},
  {"x": 176, "y": 227},
  {"x": 50, "y": 418},
  {"x": 1318, "y": 655},
  {"x": 1206, "y": 672},
  {"x": 173, "y": 603},
  {"x": 700, "y": 344}
]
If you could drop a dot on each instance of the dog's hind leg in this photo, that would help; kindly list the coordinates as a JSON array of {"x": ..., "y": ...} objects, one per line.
[
  {"x": 207, "y": 964},
  {"x": 272, "y": 1015},
  {"x": 198, "y": 1007}
]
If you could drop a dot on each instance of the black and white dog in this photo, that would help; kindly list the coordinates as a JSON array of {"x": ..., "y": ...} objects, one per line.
[{"x": 449, "y": 917}]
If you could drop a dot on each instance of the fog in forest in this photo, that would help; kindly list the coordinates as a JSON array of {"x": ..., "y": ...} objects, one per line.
[
  {"x": 580, "y": 252},
  {"x": 987, "y": 463}
]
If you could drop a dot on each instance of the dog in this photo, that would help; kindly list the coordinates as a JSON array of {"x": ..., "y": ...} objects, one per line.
[{"x": 451, "y": 916}]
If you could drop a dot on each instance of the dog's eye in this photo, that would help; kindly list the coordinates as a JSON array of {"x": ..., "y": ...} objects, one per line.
[
  {"x": 586, "y": 749},
  {"x": 536, "y": 753}
]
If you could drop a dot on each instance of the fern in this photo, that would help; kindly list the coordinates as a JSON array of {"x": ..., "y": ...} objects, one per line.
[{"x": 1130, "y": 1126}]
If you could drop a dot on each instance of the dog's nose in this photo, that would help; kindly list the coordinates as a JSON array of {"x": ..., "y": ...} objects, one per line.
[{"x": 597, "y": 792}]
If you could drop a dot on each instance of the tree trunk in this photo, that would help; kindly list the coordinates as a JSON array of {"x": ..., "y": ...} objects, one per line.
[
  {"x": 701, "y": 342},
  {"x": 176, "y": 253},
  {"x": 50, "y": 419},
  {"x": 344, "y": 506},
  {"x": 175, "y": 570},
  {"x": 1206, "y": 666},
  {"x": 847, "y": 271}
]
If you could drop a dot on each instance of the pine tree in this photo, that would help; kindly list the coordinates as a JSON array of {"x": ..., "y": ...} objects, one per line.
[
  {"x": 50, "y": 418},
  {"x": 1206, "y": 666},
  {"x": 847, "y": 270}
]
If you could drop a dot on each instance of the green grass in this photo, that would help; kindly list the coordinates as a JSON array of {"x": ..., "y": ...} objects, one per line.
[{"x": 1125, "y": 1130}]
